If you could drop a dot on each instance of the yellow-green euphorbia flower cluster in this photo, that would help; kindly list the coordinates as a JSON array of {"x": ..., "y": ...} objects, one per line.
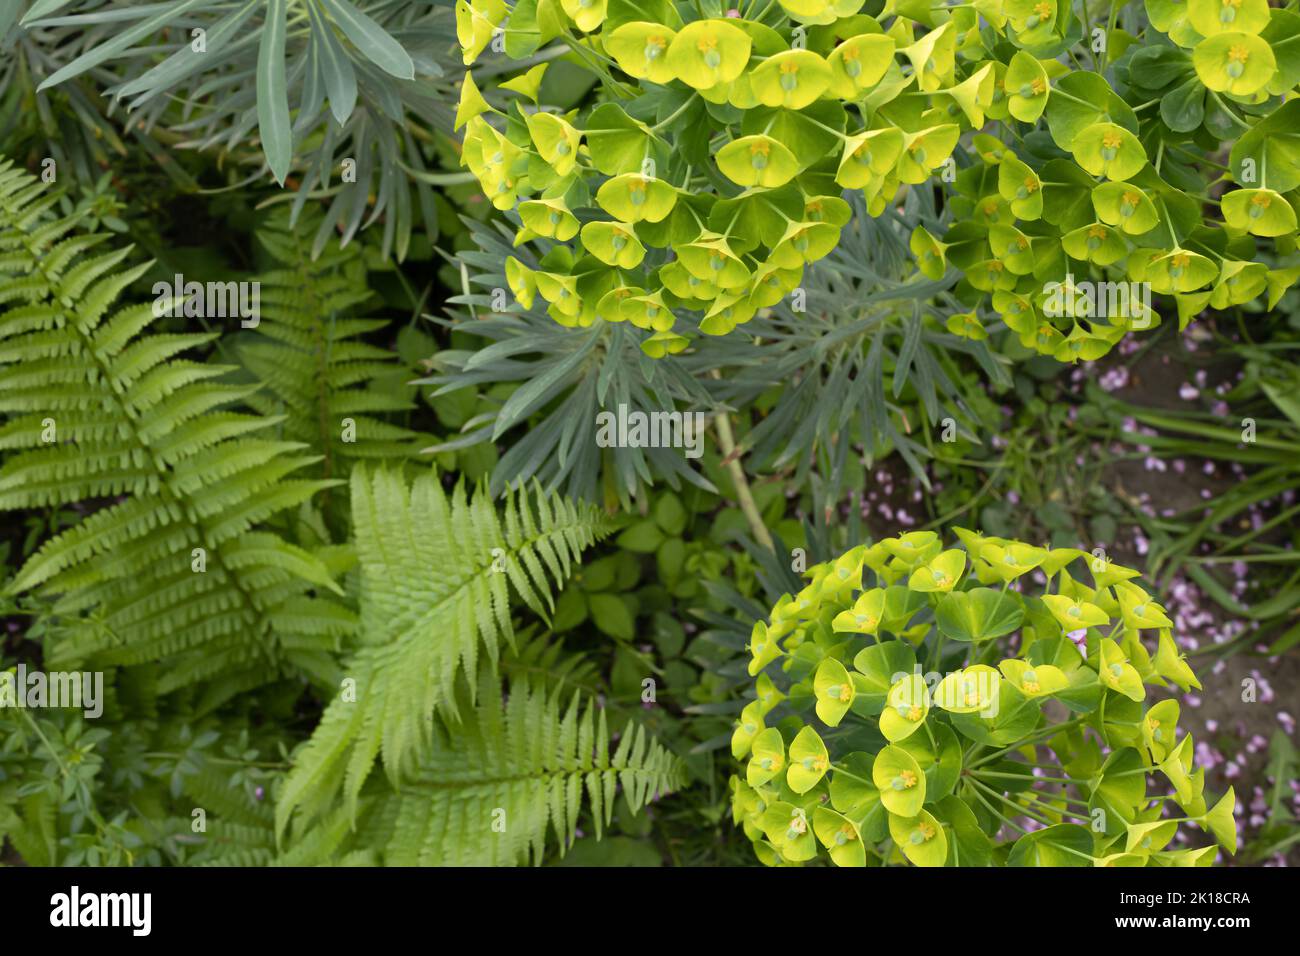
[
  {"x": 887, "y": 726},
  {"x": 709, "y": 170}
]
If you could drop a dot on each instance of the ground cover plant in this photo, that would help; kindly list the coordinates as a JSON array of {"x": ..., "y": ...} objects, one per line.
[{"x": 604, "y": 432}]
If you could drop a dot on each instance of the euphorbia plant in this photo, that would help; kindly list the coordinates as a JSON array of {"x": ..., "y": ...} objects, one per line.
[
  {"x": 934, "y": 705},
  {"x": 709, "y": 172}
]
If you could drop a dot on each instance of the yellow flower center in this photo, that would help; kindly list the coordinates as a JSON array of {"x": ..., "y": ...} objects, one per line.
[
  {"x": 914, "y": 713},
  {"x": 706, "y": 44},
  {"x": 909, "y": 779},
  {"x": 990, "y": 208},
  {"x": 1232, "y": 3},
  {"x": 1097, "y": 232},
  {"x": 845, "y": 691},
  {"x": 927, "y": 831},
  {"x": 1111, "y": 139},
  {"x": 1044, "y": 10},
  {"x": 851, "y": 53},
  {"x": 848, "y": 831},
  {"x": 995, "y": 265},
  {"x": 1262, "y": 200},
  {"x": 1031, "y": 184},
  {"x": 1180, "y": 260},
  {"x": 1132, "y": 199},
  {"x": 759, "y": 148},
  {"x": 789, "y": 67},
  {"x": 1238, "y": 54},
  {"x": 1031, "y": 686},
  {"x": 1037, "y": 85},
  {"x": 798, "y": 824},
  {"x": 819, "y": 763}
]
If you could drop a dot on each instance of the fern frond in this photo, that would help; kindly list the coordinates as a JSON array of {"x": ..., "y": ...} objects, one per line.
[
  {"x": 318, "y": 374},
  {"x": 436, "y": 575},
  {"x": 542, "y": 659},
  {"x": 211, "y": 791},
  {"x": 510, "y": 776},
  {"x": 174, "y": 567},
  {"x": 33, "y": 831}
]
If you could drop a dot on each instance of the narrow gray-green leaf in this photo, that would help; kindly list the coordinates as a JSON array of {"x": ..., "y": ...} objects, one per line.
[
  {"x": 186, "y": 61},
  {"x": 541, "y": 389},
  {"x": 272, "y": 94},
  {"x": 911, "y": 342},
  {"x": 41, "y": 8},
  {"x": 111, "y": 48},
  {"x": 371, "y": 39},
  {"x": 8, "y": 15},
  {"x": 340, "y": 77}
]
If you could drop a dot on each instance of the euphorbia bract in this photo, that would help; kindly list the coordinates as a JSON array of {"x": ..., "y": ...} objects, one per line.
[
  {"x": 719, "y": 144},
  {"x": 935, "y": 706}
]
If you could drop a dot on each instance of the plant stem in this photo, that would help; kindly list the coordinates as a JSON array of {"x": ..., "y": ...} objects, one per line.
[
  {"x": 727, "y": 444},
  {"x": 675, "y": 113},
  {"x": 997, "y": 813},
  {"x": 1019, "y": 776},
  {"x": 1033, "y": 738}
]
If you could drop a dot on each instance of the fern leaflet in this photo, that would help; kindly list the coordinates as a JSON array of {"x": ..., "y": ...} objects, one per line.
[{"x": 436, "y": 575}]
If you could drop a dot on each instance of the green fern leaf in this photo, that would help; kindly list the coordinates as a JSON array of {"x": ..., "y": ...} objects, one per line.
[
  {"x": 318, "y": 374},
  {"x": 494, "y": 788},
  {"x": 436, "y": 576},
  {"x": 171, "y": 564}
]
